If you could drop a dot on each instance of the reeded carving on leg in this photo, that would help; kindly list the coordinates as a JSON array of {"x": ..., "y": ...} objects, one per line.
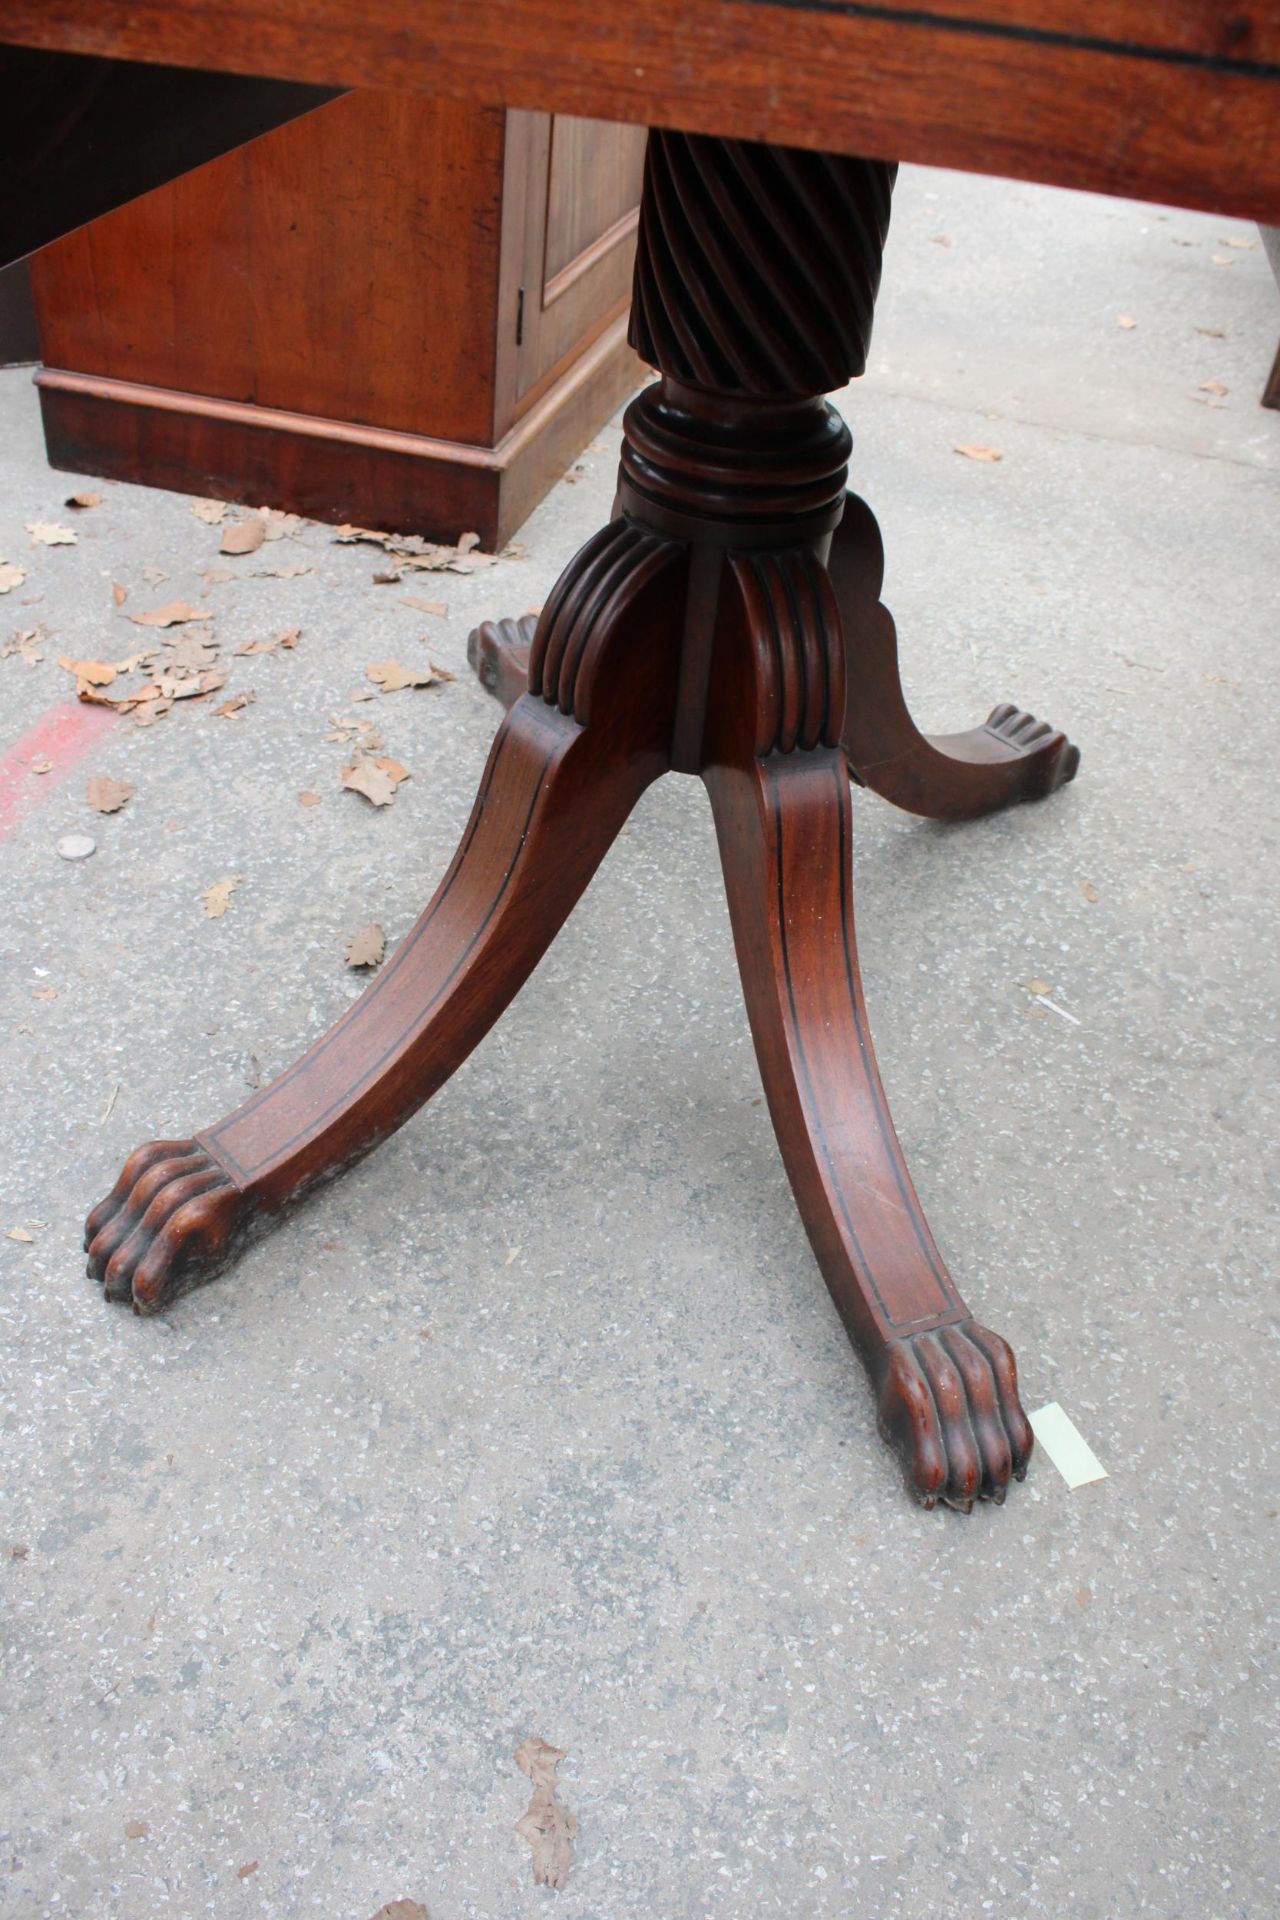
[
  {"x": 948, "y": 1405},
  {"x": 575, "y": 627},
  {"x": 172, "y": 1221},
  {"x": 794, "y": 626}
]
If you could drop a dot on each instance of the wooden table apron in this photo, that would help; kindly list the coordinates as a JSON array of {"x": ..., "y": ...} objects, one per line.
[{"x": 727, "y": 621}]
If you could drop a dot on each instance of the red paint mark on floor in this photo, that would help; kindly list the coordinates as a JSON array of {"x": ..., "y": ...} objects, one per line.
[{"x": 62, "y": 737}]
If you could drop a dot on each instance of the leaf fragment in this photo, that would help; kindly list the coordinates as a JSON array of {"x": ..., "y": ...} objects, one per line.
[
  {"x": 27, "y": 642},
  {"x": 210, "y": 511},
  {"x": 1127, "y": 321},
  {"x": 393, "y": 678},
  {"x": 243, "y": 536},
  {"x": 973, "y": 451},
  {"x": 402, "y": 1910},
  {"x": 1037, "y": 986},
  {"x": 175, "y": 613},
  {"x": 44, "y": 533},
  {"x": 20, "y": 1233},
  {"x": 136, "y": 1829},
  {"x": 546, "y": 1823},
  {"x": 11, "y": 575},
  {"x": 438, "y": 607},
  {"x": 1089, "y": 891},
  {"x": 218, "y": 897},
  {"x": 308, "y": 799},
  {"x": 90, "y": 673},
  {"x": 119, "y": 594},
  {"x": 368, "y": 947},
  {"x": 376, "y": 778},
  {"x": 83, "y": 500},
  {"x": 108, "y": 796},
  {"x": 232, "y": 709}
]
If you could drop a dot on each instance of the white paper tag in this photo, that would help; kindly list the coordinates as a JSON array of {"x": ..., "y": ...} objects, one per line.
[{"x": 1066, "y": 1446}]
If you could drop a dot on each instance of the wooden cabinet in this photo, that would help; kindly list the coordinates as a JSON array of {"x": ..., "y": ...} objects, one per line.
[{"x": 403, "y": 312}]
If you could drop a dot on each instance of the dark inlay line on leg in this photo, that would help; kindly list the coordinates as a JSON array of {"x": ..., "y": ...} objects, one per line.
[{"x": 887, "y": 1131}]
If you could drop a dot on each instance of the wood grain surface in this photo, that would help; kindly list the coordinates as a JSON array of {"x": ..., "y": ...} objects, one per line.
[{"x": 1177, "y": 103}]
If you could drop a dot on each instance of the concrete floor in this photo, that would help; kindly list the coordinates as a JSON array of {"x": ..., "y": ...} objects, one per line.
[{"x": 540, "y": 1423}]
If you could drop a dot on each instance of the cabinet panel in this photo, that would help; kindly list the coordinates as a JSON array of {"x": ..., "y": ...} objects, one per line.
[{"x": 584, "y": 179}]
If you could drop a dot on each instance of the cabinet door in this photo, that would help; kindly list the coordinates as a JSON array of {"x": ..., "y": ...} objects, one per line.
[{"x": 571, "y": 262}]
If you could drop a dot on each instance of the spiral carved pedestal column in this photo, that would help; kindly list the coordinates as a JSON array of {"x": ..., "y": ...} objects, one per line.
[{"x": 727, "y": 623}]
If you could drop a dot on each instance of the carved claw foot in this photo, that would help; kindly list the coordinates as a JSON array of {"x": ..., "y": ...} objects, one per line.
[
  {"x": 949, "y": 1408},
  {"x": 498, "y": 652},
  {"x": 173, "y": 1220},
  {"x": 1057, "y": 761}
]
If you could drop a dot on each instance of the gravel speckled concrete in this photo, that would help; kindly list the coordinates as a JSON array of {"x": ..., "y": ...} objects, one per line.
[{"x": 541, "y": 1422}]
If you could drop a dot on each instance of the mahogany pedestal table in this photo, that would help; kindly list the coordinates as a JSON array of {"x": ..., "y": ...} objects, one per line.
[{"x": 726, "y": 623}]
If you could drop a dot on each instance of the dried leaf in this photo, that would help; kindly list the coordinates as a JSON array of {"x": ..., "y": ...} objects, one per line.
[
  {"x": 1222, "y": 260},
  {"x": 989, "y": 454},
  {"x": 83, "y": 500},
  {"x": 278, "y": 524},
  {"x": 1127, "y": 321},
  {"x": 20, "y": 1233},
  {"x": 108, "y": 796},
  {"x": 11, "y": 575},
  {"x": 218, "y": 898},
  {"x": 1090, "y": 892},
  {"x": 192, "y": 653},
  {"x": 250, "y": 647},
  {"x": 289, "y": 571},
  {"x": 537, "y": 1759},
  {"x": 1245, "y": 246},
  {"x": 27, "y": 642},
  {"x": 546, "y": 1824},
  {"x": 42, "y": 766},
  {"x": 1037, "y": 986},
  {"x": 45, "y": 534},
  {"x": 467, "y": 542},
  {"x": 386, "y": 579},
  {"x": 368, "y": 947},
  {"x": 290, "y": 638},
  {"x": 216, "y": 576},
  {"x": 90, "y": 673},
  {"x": 250, "y": 1866},
  {"x": 119, "y": 594},
  {"x": 210, "y": 511},
  {"x": 136, "y": 1829},
  {"x": 392, "y": 678},
  {"x": 1213, "y": 386},
  {"x": 174, "y": 614},
  {"x": 308, "y": 799},
  {"x": 246, "y": 536},
  {"x": 402, "y": 1910},
  {"x": 437, "y": 607},
  {"x": 377, "y": 779},
  {"x": 231, "y": 709}
]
